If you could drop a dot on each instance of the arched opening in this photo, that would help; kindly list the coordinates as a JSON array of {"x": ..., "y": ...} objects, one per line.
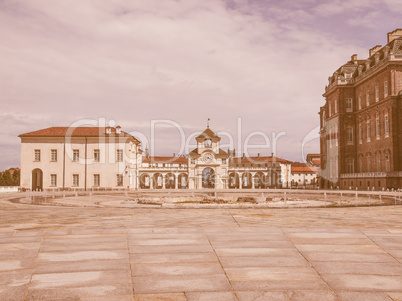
[
  {"x": 183, "y": 181},
  {"x": 233, "y": 180},
  {"x": 37, "y": 179},
  {"x": 259, "y": 180},
  {"x": 170, "y": 181},
  {"x": 208, "y": 178},
  {"x": 145, "y": 181},
  {"x": 246, "y": 180},
  {"x": 158, "y": 181}
]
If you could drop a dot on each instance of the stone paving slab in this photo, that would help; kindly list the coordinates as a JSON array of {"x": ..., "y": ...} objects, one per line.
[
  {"x": 170, "y": 284},
  {"x": 200, "y": 254}
]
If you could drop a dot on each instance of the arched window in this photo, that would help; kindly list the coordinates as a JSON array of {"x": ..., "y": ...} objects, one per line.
[
  {"x": 378, "y": 162},
  {"x": 386, "y": 125},
  {"x": 377, "y": 126},
  {"x": 387, "y": 162},
  {"x": 369, "y": 163},
  {"x": 350, "y": 167},
  {"x": 368, "y": 130},
  {"x": 208, "y": 143}
]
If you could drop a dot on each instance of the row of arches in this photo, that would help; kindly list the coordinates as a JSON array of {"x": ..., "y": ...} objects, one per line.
[
  {"x": 245, "y": 180},
  {"x": 160, "y": 181}
]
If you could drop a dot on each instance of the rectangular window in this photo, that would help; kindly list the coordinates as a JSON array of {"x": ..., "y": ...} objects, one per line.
[
  {"x": 368, "y": 131},
  {"x": 76, "y": 155},
  {"x": 336, "y": 135},
  {"x": 367, "y": 99},
  {"x": 330, "y": 109},
  {"x": 360, "y": 102},
  {"x": 336, "y": 106},
  {"x": 76, "y": 180},
  {"x": 360, "y": 134},
  {"x": 53, "y": 180},
  {"x": 377, "y": 94},
  {"x": 223, "y": 161},
  {"x": 350, "y": 165},
  {"x": 37, "y": 155},
  {"x": 192, "y": 161},
  {"x": 119, "y": 155},
  {"x": 349, "y": 105},
  {"x": 385, "y": 89},
  {"x": 96, "y": 155},
  {"x": 330, "y": 138},
  {"x": 97, "y": 180},
  {"x": 119, "y": 180},
  {"x": 53, "y": 155},
  {"x": 349, "y": 135},
  {"x": 386, "y": 125}
]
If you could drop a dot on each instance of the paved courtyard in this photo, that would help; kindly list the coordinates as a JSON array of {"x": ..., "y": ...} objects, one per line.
[{"x": 88, "y": 253}]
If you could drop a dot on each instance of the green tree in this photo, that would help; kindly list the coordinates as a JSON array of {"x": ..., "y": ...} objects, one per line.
[
  {"x": 16, "y": 177},
  {"x": 2, "y": 180},
  {"x": 7, "y": 178}
]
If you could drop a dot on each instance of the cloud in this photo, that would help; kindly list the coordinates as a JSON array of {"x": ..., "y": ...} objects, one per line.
[{"x": 133, "y": 61}]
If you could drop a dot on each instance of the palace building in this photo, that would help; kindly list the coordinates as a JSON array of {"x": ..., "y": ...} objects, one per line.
[
  {"x": 85, "y": 158},
  {"x": 361, "y": 121}
]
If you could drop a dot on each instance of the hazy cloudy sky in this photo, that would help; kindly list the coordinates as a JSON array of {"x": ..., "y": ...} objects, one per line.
[{"x": 183, "y": 60}]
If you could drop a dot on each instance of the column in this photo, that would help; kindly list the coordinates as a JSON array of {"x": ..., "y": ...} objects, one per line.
[
  {"x": 240, "y": 181},
  {"x": 163, "y": 181},
  {"x": 252, "y": 181},
  {"x": 151, "y": 181},
  {"x": 176, "y": 182}
]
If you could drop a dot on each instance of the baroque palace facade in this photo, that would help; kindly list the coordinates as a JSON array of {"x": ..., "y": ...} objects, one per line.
[
  {"x": 361, "y": 121},
  {"x": 85, "y": 158}
]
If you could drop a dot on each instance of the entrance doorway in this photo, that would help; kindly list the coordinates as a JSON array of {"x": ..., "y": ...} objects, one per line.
[
  {"x": 208, "y": 178},
  {"x": 37, "y": 179}
]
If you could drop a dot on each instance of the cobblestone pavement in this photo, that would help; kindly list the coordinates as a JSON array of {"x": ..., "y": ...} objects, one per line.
[{"x": 87, "y": 253}]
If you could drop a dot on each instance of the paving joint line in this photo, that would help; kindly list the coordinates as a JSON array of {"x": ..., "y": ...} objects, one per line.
[
  {"x": 33, "y": 270},
  {"x": 223, "y": 269},
  {"x": 300, "y": 252}
]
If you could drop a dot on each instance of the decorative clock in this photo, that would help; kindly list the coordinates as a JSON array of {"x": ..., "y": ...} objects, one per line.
[{"x": 207, "y": 157}]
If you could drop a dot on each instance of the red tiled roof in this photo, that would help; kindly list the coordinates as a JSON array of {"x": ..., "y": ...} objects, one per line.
[
  {"x": 260, "y": 159},
  {"x": 303, "y": 169},
  {"x": 208, "y": 133},
  {"x": 221, "y": 153},
  {"x": 165, "y": 159},
  {"x": 75, "y": 132}
]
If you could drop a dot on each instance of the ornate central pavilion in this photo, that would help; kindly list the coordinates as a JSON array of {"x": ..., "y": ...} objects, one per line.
[{"x": 209, "y": 166}]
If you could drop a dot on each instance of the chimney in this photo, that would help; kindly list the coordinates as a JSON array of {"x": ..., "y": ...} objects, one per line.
[
  {"x": 174, "y": 155},
  {"x": 244, "y": 155},
  {"x": 374, "y": 49},
  {"x": 118, "y": 130},
  {"x": 354, "y": 58},
  {"x": 397, "y": 33},
  {"x": 258, "y": 155}
]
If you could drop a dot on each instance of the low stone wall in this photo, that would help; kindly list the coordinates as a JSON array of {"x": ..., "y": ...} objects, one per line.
[{"x": 4, "y": 189}]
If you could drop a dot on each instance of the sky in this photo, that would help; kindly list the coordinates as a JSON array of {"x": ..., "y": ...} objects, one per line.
[{"x": 265, "y": 63}]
